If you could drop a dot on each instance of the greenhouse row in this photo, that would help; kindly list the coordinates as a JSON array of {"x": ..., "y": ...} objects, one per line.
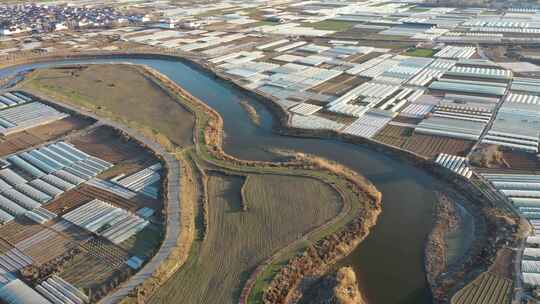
[
  {"x": 113, "y": 223},
  {"x": 367, "y": 125},
  {"x": 480, "y": 72},
  {"x": 74, "y": 165},
  {"x": 451, "y": 127},
  {"x": 455, "y": 164},
  {"x": 314, "y": 122},
  {"x": 10, "y": 99},
  {"x": 470, "y": 87},
  {"x": 305, "y": 109},
  {"x": 26, "y": 116},
  {"x": 57, "y": 290},
  {"x": 56, "y": 168},
  {"x": 145, "y": 181},
  {"x": 456, "y": 52},
  {"x": 516, "y": 124}
]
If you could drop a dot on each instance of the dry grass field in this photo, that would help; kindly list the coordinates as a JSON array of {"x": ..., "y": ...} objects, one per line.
[
  {"x": 280, "y": 210},
  {"x": 117, "y": 91}
]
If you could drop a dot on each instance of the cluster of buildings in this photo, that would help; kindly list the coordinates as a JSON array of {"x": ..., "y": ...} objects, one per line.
[{"x": 32, "y": 18}]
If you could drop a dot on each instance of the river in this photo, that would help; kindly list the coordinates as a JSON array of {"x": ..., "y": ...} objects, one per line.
[{"x": 389, "y": 263}]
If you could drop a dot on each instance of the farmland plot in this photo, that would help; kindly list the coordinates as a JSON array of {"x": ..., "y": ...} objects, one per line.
[
  {"x": 431, "y": 146},
  {"x": 31, "y": 137},
  {"x": 279, "y": 210},
  {"x": 487, "y": 288},
  {"x": 394, "y": 135},
  {"x": 87, "y": 271},
  {"x": 107, "y": 144}
]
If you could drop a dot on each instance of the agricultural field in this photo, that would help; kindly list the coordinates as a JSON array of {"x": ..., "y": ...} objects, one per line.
[
  {"x": 332, "y": 25},
  {"x": 109, "y": 90},
  {"x": 521, "y": 161},
  {"x": 89, "y": 272},
  {"x": 338, "y": 85},
  {"x": 394, "y": 135},
  {"x": 487, "y": 288},
  {"x": 144, "y": 243},
  {"x": 430, "y": 146},
  {"x": 112, "y": 147},
  {"x": 19, "y": 141},
  {"x": 19, "y": 229},
  {"x": 414, "y": 52},
  {"x": 47, "y": 243},
  {"x": 128, "y": 204},
  {"x": 279, "y": 210},
  {"x": 425, "y": 145}
]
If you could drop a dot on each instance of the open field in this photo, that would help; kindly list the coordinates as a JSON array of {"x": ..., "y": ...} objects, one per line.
[
  {"x": 332, "y": 25},
  {"x": 419, "y": 52},
  {"x": 41, "y": 243},
  {"x": 487, "y": 288},
  {"x": 111, "y": 146},
  {"x": 338, "y": 85},
  {"x": 110, "y": 91},
  {"x": 144, "y": 243},
  {"x": 431, "y": 146},
  {"x": 19, "y": 229},
  {"x": 425, "y": 145},
  {"x": 87, "y": 271},
  {"x": 394, "y": 135},
  {"x": 279, "y": 210},
  {"x": 106, "y": 196},
  {"x": 521, "y": 160}
]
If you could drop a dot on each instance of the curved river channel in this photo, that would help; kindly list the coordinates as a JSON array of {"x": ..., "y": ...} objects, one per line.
[{"x": 389, "y": 263}]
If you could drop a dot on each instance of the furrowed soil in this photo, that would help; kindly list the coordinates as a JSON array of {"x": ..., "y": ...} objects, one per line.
[
  {"x": 118, "y": 91},
  {"x": 279, "y": 210}
]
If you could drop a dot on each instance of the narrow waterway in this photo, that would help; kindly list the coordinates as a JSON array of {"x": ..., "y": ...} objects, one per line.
[{"x": 389, "y": 263}]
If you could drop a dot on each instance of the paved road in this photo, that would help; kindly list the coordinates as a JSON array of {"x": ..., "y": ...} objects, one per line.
[{"x": 172, "y": 206}]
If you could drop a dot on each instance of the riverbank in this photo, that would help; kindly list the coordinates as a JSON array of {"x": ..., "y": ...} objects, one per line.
[
  {"x": 494, "y": 230},
  {"x": 446, "y": 220},
  {"x": 338, "y": 287}
]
